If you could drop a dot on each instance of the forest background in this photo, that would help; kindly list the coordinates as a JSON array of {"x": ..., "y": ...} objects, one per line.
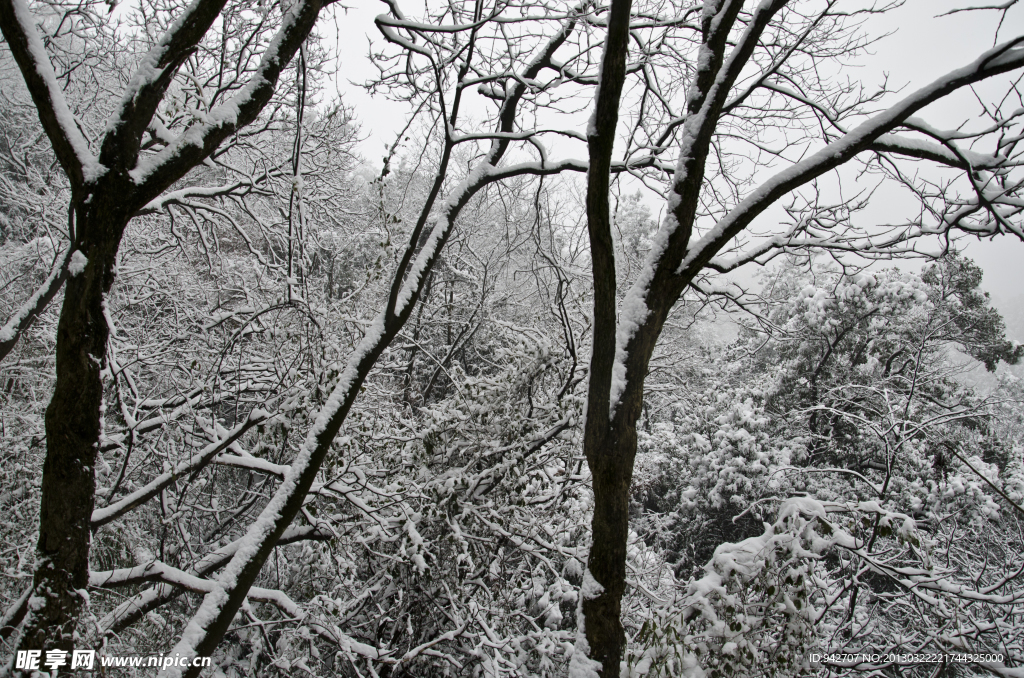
[{"x": 269, "y": 400}]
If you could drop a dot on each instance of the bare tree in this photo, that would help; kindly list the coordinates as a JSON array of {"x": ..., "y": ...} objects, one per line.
[
  {"x": 108, "y": 188},
  {"x": 35, "y": 191},
  {"x": 749, "y": 66},
  {"x": 739, "y": 91},
  {"x": 451, "y": 67},
  {"x": 745, "y": 75}
]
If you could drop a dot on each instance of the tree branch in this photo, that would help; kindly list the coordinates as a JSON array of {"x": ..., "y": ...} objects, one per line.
[
  {"x": 16, "y": 325},
  {"x": 154, "y": 74},
  {"x": 156, "y": 173},
  {"x": 69, "y": 144}
]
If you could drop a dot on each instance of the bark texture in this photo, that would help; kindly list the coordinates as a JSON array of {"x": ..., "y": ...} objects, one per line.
[
  {"x": 73, "y": 424},
  {"x": 609, "y": 450},
  {"x": 610, "y": 435}
]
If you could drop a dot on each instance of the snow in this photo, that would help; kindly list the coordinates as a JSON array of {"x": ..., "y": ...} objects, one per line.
[
  {"x": 13, "y": 610},
  {"x": 92, "y": 170},
  {"x": 208, "y": 563},
  {"x": 147, "y": 71},
  {"x": 143, "y": 556},
  {"x": 442, "y": 224},
  {"x": 184, "y": 194},
  {"x": 151, "y": 570},
  {"x": 226, "y": 114},
  {"x": 808, "y": 506},
  {"x": 10, "y": 330},
  {"x": 253, "y": 464},
  {"x": 901, "y": 144},
  {"x": 258, "y": 533},
  {"x": 633, "y": 314},
  {"x": 581, "y": 665},
  {"x": 592, "y": 121},
  {"x": 709, "y": 10},
  {"x": 843, "y": 149},
  {"x": 742, "y": 559},
  {"x": 104, "y": 515},
  {"x": 634, "y": 310},
  {"x": 745, "y": 558},
  {"x": 590, "y": 589},
  {"x": 77, "y": 264},
  {"x": 1005, "y": 57},
  {"x": 303, "y": 469}
]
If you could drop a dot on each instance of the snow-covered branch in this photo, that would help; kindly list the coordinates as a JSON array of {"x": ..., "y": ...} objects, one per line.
[
  {"x": 69, "y": 143},
  {"x": 1006, "y": 57},
  {"x": 40, "y": 299},
  {"x": 102, "y": 516},
  {"x": 154, "y": 74},
  {"x": 154, "y": 174}
]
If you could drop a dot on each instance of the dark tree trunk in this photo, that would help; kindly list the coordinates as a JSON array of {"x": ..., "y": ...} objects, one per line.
[
  {"x": 607, "y": 562},
  {"x": 609, "y": 453},
  {"x": 73, "y": 424},
  {"x": 610, "y": 436}
]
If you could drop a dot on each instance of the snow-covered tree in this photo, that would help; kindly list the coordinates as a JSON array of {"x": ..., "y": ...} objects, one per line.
[
  {"x": 853, "y": 406},
  {"x": 335, "y": 420},
  {"x": 751, "y": 76},
  {"x": 151, "y": 139}
]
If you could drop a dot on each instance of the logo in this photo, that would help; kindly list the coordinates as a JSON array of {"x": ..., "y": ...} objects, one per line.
[{"x": 34, "y": 660}]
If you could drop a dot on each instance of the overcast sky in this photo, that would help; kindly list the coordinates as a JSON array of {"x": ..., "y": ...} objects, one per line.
[{"x": 923, "y": 47}]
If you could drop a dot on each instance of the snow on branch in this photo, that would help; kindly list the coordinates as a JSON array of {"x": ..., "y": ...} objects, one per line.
[
  {"x": 70, "y": 145},
  {"x": 185, "y": 195},
  {"x": 401, "y": 22},
  {"x": 153, "y": 75},
  {"x": 154, "y": 173},
  {"x": 998, "y": 60},
  {"x": 219, "y": 606},
  {"x": 14, "y": 614},
  {"x": 133, "y": 609},
  {"x": 150, "y": 572},
  {"x": 716, "y": 74},
  {"x": 104, "y": 515},
  {"x": 156, "y": 571},
  {"x": 779, "y": 581},
  {"x": 925, "y": 150},
  {"x": 27, "y": 313}
]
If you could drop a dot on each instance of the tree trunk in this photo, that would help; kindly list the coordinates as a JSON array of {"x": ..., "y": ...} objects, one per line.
[
  {"x": 73, "y": 421},
  {"x": 617, "y": 373},
  {"x": 607, "y": 562},
  {"x": 613, "y": 450},
  {"x": 609, "y": 453},
  {"x": 104, "y": 199}
]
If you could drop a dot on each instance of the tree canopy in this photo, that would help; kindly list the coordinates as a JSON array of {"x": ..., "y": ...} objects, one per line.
[{"x": 502, "y": 406}]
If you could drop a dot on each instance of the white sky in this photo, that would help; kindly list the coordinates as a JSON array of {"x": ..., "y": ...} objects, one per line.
[
  {"x": 923, "y": 47},
  {"x": 379, "y": 119}
]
